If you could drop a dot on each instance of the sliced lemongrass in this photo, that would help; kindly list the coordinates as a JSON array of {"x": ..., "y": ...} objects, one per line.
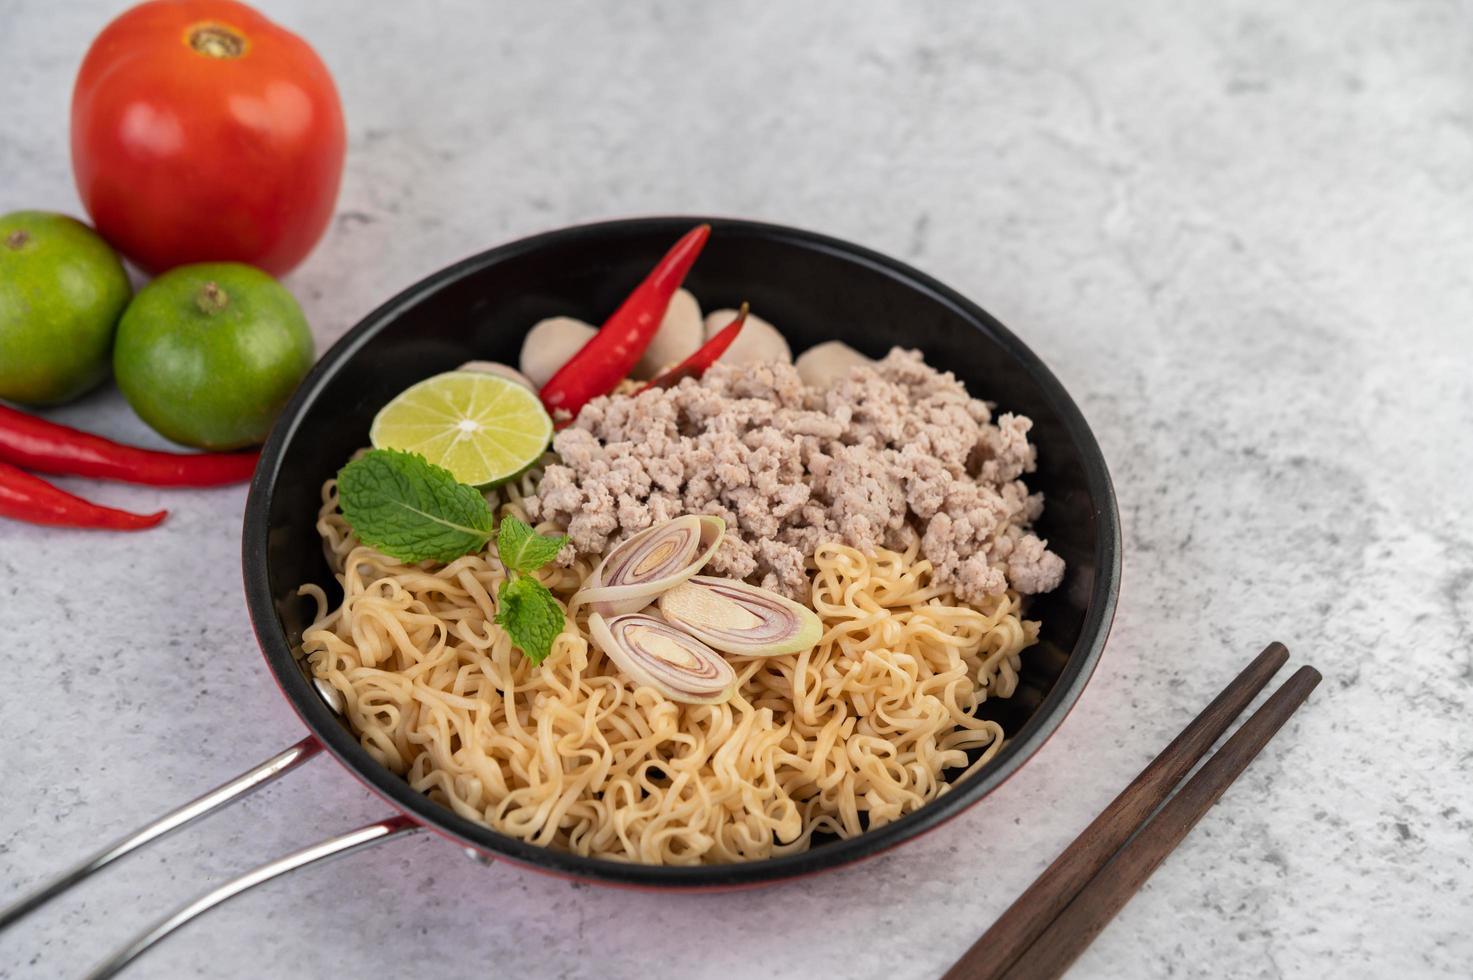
[
  {"x": 740, "y": 619},
  {"x": 634, "y": 573},
  {"x": 652, "y": 653}
]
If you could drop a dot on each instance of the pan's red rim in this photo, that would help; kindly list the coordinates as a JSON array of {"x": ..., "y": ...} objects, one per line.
[{"x": 335, "y": 737}]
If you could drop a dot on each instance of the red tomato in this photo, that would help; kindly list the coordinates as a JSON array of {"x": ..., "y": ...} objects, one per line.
[{"x": 202, "y": 132}]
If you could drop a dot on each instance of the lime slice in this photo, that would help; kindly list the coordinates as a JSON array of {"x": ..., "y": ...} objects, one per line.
[{"x": 483, "y": 428}]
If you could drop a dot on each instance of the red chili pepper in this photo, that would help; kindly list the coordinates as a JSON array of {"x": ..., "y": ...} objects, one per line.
[
  {"x": 37, "y": 444},
  {"x": 709, "y": 353},
  {"x": 24, "y": 497},
  {"x": 608, "y": 357}
]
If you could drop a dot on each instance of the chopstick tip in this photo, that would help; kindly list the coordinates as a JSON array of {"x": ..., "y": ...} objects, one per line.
[
  {"x": 1273, "y": 657},
  {"x": 1309, "y": 674}
]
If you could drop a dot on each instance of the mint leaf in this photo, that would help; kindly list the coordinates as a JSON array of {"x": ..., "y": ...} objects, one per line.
[
  {"x": 530, "y": 616},
  {"x": 410, "y": 509},
  {"x": 522, "y": 549}
]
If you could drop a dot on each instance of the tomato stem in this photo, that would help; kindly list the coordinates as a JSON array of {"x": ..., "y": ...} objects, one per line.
[{"x": 216, "y": 41}]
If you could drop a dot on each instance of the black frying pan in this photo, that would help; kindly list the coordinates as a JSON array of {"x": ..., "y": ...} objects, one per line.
[{"x": 815, "y": 289}]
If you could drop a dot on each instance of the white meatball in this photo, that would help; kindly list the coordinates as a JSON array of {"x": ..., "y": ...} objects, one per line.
[
  {"x": 820, "y": 366},
  {"x": 550, "y": 344},
  {"x": 501, "y": 370},
  {"x": 679, "y": 336},
  {"x": 759, "y": 340}
]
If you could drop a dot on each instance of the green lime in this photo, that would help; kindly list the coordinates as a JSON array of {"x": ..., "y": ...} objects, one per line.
[
  {"x": 208, "y": 354},
  {"x": 62, "y": 290},
  {"x": 481, "y": 427}
]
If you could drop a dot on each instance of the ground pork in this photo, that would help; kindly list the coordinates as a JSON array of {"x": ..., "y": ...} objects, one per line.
[{"x": 891, "y": 453}]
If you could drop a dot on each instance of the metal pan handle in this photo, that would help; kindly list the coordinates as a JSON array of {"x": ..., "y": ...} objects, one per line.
[
  {"x": 339, "y": 846},
  {"x": 221, "y": 796}
]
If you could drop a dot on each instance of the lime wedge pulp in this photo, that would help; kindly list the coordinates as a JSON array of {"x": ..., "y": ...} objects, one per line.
[{"x": 481, "y": 427}]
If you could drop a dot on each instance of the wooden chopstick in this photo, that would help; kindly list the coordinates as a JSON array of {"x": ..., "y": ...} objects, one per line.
[
  {"x": 1027, "y": 918},
  {"x": 1093, "y": 908}
]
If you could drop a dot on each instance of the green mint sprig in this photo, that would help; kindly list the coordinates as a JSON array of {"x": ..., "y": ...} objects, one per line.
[
  {"x": 413, "y": 510},
  {"x": 523, "y": 549},
  {"x": 526, "y": 609}
]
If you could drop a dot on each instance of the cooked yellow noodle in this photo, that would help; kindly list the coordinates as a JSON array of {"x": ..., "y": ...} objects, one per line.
[{"x": 869, "y": 725}]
